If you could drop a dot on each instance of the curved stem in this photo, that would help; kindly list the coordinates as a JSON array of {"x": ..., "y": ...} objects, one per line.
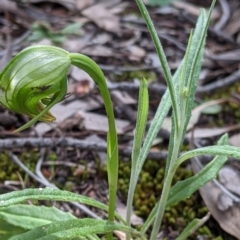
[{"x": 90, "y": 67}]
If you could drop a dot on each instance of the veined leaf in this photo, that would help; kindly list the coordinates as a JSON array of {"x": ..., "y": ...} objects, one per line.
[
  {"x": 141, "y": 120},
  {"x": 137, "y": 142},
  {"x": 70, "y": 229},
  {"x": 225, "y": 151},
  {"x": 50, "y": 194},
  {"x": 7, "y": 231},
  {"x": 192, "y": 227},
  {"x": 31, "y": 216},
  {"x": 184, "y": 189}
]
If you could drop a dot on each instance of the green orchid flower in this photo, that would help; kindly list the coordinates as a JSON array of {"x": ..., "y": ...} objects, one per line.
[{"x": 34, "y": 81}]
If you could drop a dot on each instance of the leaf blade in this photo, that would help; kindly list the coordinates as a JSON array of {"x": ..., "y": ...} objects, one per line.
[{"x": 74, "y": 228}]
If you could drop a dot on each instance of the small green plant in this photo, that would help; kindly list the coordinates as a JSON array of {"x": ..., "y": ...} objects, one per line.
[
  {"x": 35, "y": 80},
  {"x": 41, "y": 30}
]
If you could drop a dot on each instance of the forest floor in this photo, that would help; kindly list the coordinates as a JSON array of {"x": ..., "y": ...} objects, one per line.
[{"x": 71, "y": 152}]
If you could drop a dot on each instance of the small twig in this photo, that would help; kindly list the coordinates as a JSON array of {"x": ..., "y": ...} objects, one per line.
[
  {"x": 112, "y": 68},
  {"x": 134, "y": 86},
  {"x": 38, "y": 169},
  {"x": 220, "y": 83},
  {"x": 215, "y": 181},
  {"x": 159, "y": 89},
  {"x": 42, "y": 180},
  {"x": 162, "y": 35},
  {"x": 13, "y": 143},
  {"x": 23, "y": 167},
  {"x": 224, "y": 16},
  {"x": 220, "y": 34}
]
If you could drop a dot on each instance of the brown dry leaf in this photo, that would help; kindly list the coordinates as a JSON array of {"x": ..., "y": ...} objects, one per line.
[
  {"x": 233, "y": 25},
  {"x": 84, "y": 82},
  {"x": 102, "y": 38},
  {"x": 211, "y": 132},
  {"x": 103, "y": 18},
  {"x": 7, "y": 54},
  {"x": 99, "y": 51},
  {"x": 235, "y": 140},
  {"x": 97, "y": 122},
  {"x": 190, "y": 8},
  {"x": 71, "y": 5},
  {"x": 75, "y": 45},
  {"x": 102, "y": 155},
  {"x": 63, "y": 112},
  {"x": 82, "y": 4},
  {"x": 215, "y": 200},
  {"x": 120, "y": 235},
  {"x": 124, "y": 97},
  {"x": 193, "y": 9},
  {"x": 230, "y": 178},
  {"x": 196, "y": 112},
  {"x": 136, "y": 53},
  {"x": 122, "y": 210},
  {"x": 227, "y": 56}
]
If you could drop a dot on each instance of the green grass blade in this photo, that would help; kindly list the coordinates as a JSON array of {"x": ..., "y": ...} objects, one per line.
[
  {"x": 194, "y": 62},
  {"x": 161, "y": 56},
  {"x": 192, "y": 227},
  {"x": 93, "y": 237},
  {"x": 156, "y": 123},
  {"x": 225, "y": 150},
  {"x": 143, "y": 103},
  {"x": 141, "y": 120}
]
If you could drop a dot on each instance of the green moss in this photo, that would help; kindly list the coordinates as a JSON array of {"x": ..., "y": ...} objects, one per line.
[
  {"x": 230, "y": 110},
  {"x": 9, "y": 170}
]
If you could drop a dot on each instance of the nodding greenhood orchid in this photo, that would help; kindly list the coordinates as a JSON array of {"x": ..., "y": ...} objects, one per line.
[{"x": 34, "y": 81}]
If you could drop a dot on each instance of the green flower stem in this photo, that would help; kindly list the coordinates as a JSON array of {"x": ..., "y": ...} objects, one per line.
[{"x": 97, "y": 75}]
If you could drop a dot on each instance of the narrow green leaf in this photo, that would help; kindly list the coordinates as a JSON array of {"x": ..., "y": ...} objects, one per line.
[
  {"x": 141, "y": 120},
  {"x": 93, "y": 237},
  {"x": 194, "y": 64},
  {"x": 161, "y": 113},
  {"x": 70, "y": 229},
  {"x": 192, "y": 227},
  {"x": 137, "y": 142},
  {"x": 50, "y": 194},
  {"x": 161, "y": 56},
  {"x": 31, "y": 216},
  {"x": 185, "y": 188},
  {"x": 7, "y": 231},
  {"x": 226, "y": 151}
]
